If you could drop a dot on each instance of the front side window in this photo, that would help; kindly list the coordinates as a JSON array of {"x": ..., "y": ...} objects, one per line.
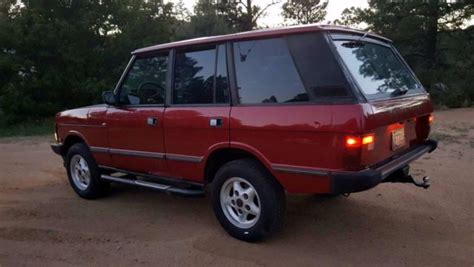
[
  {"x": 145, "y": 82},
  {"x": 201, "y": 76},
  {"x": 376, "y": 68},
  {"x": 266, "y": 72}
]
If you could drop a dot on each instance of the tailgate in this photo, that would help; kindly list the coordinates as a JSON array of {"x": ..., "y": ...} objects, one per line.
[{"x": 398, "y": 124}]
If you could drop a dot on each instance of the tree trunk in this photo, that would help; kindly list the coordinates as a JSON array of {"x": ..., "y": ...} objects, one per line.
[{"x": 432, "y": 34}]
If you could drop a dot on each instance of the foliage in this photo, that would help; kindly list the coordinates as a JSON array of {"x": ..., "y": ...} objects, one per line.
[
  {"x": 207, "y": 20},
  {"x": 243, "y": 14},
  {"x": 28, "y": 128},
  {"x": 430, "y": 36},
  {"x": 61, "y": 54},
  {"x": 305, "y": 11}
]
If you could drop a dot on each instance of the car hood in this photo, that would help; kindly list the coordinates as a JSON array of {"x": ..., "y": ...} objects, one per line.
[{"x": 78, "y": 115}]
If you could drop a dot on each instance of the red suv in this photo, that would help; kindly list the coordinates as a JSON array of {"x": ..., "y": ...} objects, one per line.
[{"x": 253, "y": 116}]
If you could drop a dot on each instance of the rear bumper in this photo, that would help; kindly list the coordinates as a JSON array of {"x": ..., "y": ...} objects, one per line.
[{"x": 347, "y": 182}]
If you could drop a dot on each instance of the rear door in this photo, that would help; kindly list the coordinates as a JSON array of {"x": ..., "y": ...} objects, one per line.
[
  {"x": 197, "y": 119},
  {"x": 135, "y": 126},
  {"x": 400, "y": 108}
]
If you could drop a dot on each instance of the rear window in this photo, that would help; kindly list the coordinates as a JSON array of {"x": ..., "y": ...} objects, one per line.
[
  {"x": 266, "y": 72},
  {"x": 376, "y": 68}
]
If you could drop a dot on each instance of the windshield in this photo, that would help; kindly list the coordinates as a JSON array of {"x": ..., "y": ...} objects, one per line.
[{"x": 376, "y": 68}]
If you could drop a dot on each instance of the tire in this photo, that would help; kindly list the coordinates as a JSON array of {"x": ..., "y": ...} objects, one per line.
[
  {"x": 83, "y": 173},
  {"x": 258, "y": 220}
]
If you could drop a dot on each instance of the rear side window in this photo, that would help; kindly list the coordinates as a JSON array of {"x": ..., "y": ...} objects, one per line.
[
  {"x": 145, "y": 82},
  {"x": 200, "y": 76},
  {"x": 266, "y": 72},
  {"x": 318, "y": 67}
]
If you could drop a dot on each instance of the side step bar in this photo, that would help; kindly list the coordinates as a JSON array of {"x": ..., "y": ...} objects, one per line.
[{"x": 155, "y": 186}]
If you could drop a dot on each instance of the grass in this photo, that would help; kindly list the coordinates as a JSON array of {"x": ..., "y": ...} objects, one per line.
[{"x": 30, "y": 128}]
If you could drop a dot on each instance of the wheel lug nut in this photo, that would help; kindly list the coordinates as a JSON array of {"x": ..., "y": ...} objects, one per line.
[
  {"x": 236, "y": 193},
  {"x": 247, "y": 207},
  {"x": 246, "y": 196}
]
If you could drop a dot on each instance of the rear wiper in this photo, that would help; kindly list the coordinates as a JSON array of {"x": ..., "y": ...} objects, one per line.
[
  {"x": 353, "y": 44},
  {"x": 356, "y": 43},
  {"x": 398, "y": 92}
]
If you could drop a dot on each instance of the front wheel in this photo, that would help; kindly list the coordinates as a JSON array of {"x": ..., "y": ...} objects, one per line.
[
  {"x": 248, "y": 202},
  {"x": 83, "y": 172}
]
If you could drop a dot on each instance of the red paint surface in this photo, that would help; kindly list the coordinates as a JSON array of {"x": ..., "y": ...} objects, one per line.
[{"x": 187, "y": 132}]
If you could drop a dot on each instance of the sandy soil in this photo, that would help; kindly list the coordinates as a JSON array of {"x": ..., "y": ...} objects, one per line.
[{"x": 42, "y": 222}]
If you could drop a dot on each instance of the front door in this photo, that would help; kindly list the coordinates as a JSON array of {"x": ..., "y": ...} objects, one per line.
[
  {"x": 197, "y": 120},
  {"x": 135, "y": 126}
]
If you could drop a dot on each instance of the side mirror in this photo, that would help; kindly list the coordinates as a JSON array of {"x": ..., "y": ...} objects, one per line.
[{"x": 109, "y": 98}]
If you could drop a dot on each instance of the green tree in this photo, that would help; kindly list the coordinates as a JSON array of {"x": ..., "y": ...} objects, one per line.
[
  {"x": 62, "y": 54},
  {"x": 207, "y": 20},
  {"x": 305, "y": 11},
  {"x": 243, "y": 14}
]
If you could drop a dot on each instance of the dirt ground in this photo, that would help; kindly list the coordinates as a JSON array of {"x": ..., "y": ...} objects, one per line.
[{"x": 42, "y": 222}]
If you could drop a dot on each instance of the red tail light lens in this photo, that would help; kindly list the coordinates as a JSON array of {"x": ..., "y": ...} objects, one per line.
[
  {"x": 357, "y": 141},
  {"x": 352, "y": 141}
]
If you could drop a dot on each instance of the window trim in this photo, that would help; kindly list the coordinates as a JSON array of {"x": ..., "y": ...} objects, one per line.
[
  {"x": 231, "y": 76},
  {"x": 118, "y": 86},
  {"x": 194, "y": 48}
]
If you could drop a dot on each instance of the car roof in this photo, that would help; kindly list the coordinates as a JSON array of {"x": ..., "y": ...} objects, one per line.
[{"x": 255, "y": 34}]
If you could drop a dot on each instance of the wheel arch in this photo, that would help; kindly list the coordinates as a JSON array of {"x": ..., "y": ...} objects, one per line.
[
  {"x": 222, "y": 155},
  {"x": 72, "y": 138}
]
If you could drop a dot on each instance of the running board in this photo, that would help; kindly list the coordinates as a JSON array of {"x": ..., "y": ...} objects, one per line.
[{"x": 155, "y": 186}]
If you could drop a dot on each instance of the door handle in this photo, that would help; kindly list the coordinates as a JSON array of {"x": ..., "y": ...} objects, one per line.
[
  {"x": 152, "y": 121},
  {"x": 215, "y": 122}
]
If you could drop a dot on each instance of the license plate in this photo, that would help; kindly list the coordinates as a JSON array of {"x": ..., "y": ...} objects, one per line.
[{"x": 398, "y": 138}]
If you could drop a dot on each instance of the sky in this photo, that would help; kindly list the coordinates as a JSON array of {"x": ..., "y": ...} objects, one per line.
[{"x": 273, "y": 17}]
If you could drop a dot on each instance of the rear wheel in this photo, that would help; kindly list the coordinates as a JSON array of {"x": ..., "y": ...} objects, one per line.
[
  {"x": 247, "y": 200},
  {"x": 83, "y": 172}
]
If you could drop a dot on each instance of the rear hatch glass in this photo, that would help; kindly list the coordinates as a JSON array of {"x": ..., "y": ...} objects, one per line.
[{"x": 377, "y": 69}]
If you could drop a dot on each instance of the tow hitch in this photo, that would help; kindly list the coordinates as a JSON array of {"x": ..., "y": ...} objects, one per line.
[
  {"x": 425, "y": 183},
  {"x": 402, "y": 176}
]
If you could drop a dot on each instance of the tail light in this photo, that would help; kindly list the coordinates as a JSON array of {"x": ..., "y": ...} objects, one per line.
[
  {"x": 354, "y": 146},
  {"x": 431, "y": 118},
  {"x": 423, "y": 126},
  {"x": 359, "y": 141},
  {"x": 352, "y": 141}
]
